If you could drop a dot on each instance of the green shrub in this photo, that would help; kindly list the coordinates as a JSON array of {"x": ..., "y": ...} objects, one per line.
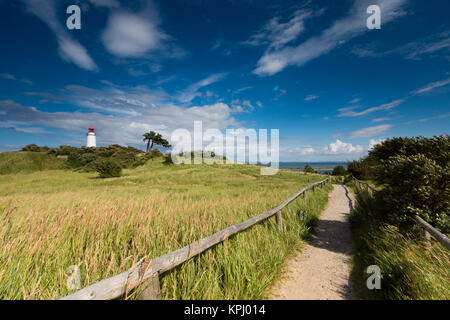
[
  {"x": 35, "y": 148},
  {"x": 168, "y": 159},
  {"x": 339, "y": 171},
  {"x": 108, "y": 168},
  {"x": 309, "y": 169},
  {"x": 416, "y": 173}
]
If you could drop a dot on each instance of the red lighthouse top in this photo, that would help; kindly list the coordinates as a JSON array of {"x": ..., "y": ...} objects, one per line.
[{"x": 91, "y": 128}]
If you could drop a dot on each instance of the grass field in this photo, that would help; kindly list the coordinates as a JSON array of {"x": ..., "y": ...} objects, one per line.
[
  {"x": 51, "y": 220},
  {"x": 411, "y": 268},
  {"x": 27, "y": 162}
]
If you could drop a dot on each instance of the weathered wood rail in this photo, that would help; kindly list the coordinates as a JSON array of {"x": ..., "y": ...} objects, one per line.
[
  {"x": 442, "y": 238},
  {"x": 368, "y": 186},
  {"x": 147, "y": 273}
]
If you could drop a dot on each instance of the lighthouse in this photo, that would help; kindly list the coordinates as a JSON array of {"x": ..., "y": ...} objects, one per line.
[{"x": 91, "y": 140}]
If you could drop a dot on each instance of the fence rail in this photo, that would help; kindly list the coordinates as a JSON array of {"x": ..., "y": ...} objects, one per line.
[
  {"x": 442, "y": 238},
  {"x": 147, "y": 273}
]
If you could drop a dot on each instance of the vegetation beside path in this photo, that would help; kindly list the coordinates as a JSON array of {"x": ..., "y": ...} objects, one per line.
[{"x": 54, "y": 219}]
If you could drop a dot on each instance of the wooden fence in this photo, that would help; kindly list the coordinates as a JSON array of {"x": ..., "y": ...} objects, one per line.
[
  {"x": 429, "y": 230},
  {"x": 147, "y": 274}
]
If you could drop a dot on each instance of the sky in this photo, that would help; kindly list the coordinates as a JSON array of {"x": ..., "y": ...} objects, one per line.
[{"x": 311, "y": 69}]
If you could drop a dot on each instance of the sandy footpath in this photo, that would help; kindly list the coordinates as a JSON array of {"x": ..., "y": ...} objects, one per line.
[{"x": 322, "y": 270}]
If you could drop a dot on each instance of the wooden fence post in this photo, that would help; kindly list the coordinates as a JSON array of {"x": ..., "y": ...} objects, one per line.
[
  {"x": 314, "y": 187},
  {"x": 153, "y": 291},
  {"x": 279, "y": 220},
  {"x": 304, "y": 194}
]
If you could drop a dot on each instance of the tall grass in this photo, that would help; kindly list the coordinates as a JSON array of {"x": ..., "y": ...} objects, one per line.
[
  {"x": 52, "y": 220},
  {"x": 411, "y": 269}
]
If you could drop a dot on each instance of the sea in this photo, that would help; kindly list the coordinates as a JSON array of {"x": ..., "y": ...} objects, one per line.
[{"x": 320, "y": 167}]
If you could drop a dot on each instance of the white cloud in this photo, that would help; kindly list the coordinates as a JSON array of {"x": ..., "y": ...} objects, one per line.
[
  {"x": 342, "y": 148},
  {"x": 163, "y": 119},
  {"x": 371, "y": 131},
  {"x": 72, "y": 51},
  {"x": 311, "y": 97},
  {"x": 131, "y": 35},
  {"x": 381, "y": 119},
  {"x": 354, "y": 24},
  {"x": 191, "y": 91},
  {"x": 276, "y": 34},
  {"x": 373, "y": 143},
  {"x": 8, "y": 76},
  {"x": 432, "y": 86},
  {"x": 69, "y": 49},
  {"x": 349, "y": 111},
  {"x": 441, "y": 116},
  {"x": 14, "y": 78}
]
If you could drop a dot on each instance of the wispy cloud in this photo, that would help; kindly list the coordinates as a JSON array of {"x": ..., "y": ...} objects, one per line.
[
  {"x": 414, "y": 50},
  {"x": 69, "y": 49},
  {"x": 431, "y": 86},
  {"x": 276, "y": 59},
  {"x": 370, "y": 131},
  {"x": 14, "y": 78},
  {"x": 441, "y": 116},
  {"x": 275, "y": 34},
  {"x": 381, "y": 119},
  {"x": 349, "y": 111},
  {"x": 192, "y": 91},
  {"x": 311, "y": 97}
]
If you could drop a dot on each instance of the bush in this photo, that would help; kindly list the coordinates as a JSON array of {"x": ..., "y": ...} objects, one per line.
[
  {"x": 108, "y": 168},
  {"x": 168, "y": 159},
  {"x": 364, "y": 169},
  {"x": 35, "y": 148},
  {"x": 309, "y": 169},
  {"x": 339, "y": 171},
  {"x": 416, "y": 173}
]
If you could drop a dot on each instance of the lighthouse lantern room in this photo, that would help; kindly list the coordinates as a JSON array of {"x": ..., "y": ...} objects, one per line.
[{"x": 91, "y": 139}]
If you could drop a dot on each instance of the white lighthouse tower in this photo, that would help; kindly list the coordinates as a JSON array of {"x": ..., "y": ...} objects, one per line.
[{"x": 91, "y": 139}]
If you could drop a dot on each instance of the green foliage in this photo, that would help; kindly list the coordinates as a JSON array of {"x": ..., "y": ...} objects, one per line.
[
  {"x": 35, "y": 148},
  {"x": 27, "y": 162},
  {"x": 410, "y": 269},
  {"x": 339, "y": 171},
  {"x": 416, "y": 173},
  {"x": 56, "y": 219},
  {"x": 309, "y": 169},
  {"x": 108, "y": 168},
  {"x": 154, "y": 138},
  {"x": 363, "y": 169},
  {"x": 168, "y": 159}
]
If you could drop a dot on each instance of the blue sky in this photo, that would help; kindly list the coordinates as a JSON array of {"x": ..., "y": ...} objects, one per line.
[{"x": 311, "y": 69}]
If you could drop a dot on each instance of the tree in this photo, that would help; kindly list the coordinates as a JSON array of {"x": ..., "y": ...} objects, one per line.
[
  {"x": 339, "y": 171},
  {"x": 154, "y": 138},
  {"x": 309, "y": 169}
]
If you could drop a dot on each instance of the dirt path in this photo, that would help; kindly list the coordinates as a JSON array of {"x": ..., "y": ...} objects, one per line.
[{"x": 322, "y": 270}]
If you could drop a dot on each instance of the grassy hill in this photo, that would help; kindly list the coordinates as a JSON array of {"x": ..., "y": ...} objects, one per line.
[
  {"x": 54, "y": 219},
  {"x": 26, "y": 162}
]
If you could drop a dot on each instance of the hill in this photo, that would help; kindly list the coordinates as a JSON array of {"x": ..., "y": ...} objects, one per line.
[{"x": 27, "y": 162}]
